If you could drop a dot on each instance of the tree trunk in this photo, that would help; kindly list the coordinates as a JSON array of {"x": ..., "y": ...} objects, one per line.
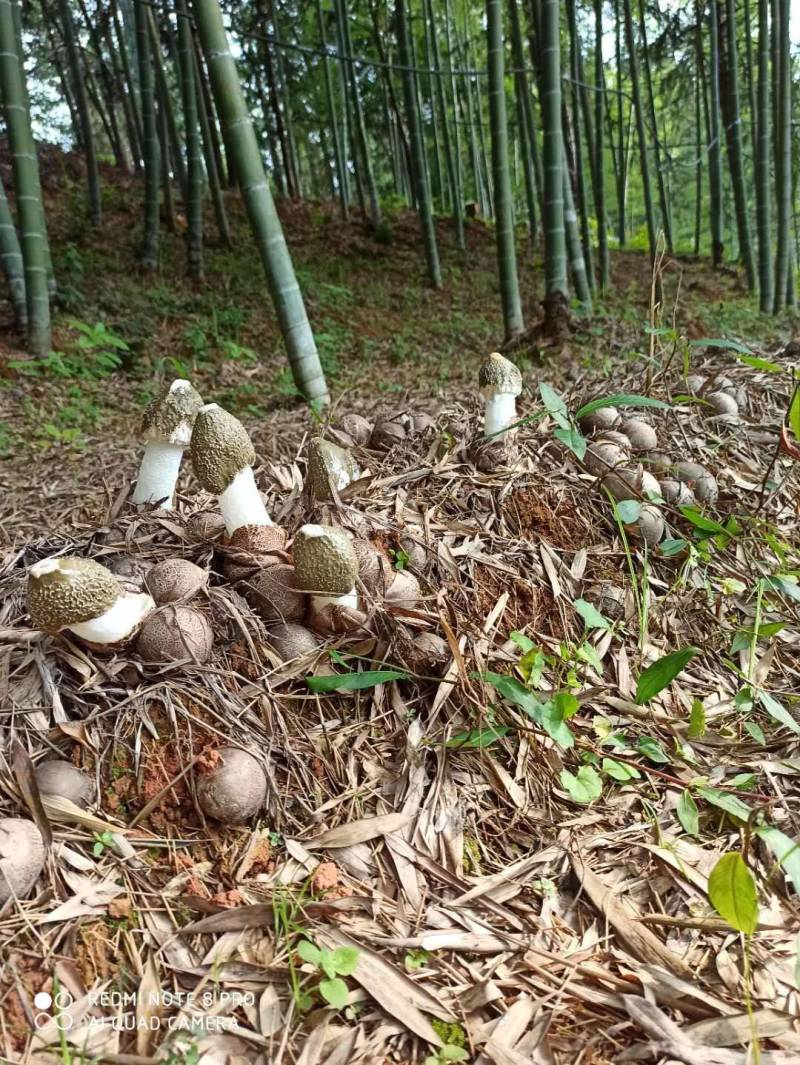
[
  {"x": 783, "y": 155},
  {"x": 503, "y": 206},
  {"x": 599, "y": 158},
  {"x": 35, "y": 254},
  {"x": 453, "y": 176},
  {"x": 264, "y": 221},
  {"x": 715, "y": 147},
  {"x": 82, "y": 109},
  {"x": 358, "y": 113},
  {"x": 332, "y": 117},
  {"x": 11, "y": 258},
  {"x": 194, "y": 155},
  {"x": 149, "y": 139},
  {"x": 663, "y": 198},
  {"x": 214, "y": 182},
  {"x": 762, "y": 163},
  {"x": 640, "y": 129},
  {"x": 555, "y": 246},
  {"x": 733, "y": 127}
]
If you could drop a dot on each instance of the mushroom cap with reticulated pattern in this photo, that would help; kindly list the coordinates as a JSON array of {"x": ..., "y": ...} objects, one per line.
[
  {"x": 324, "y": 560},
  {"x": 66, "y": 591},
  {"x": 499, "y": 376},
  {"x": 221, "y": 448},
  {"x": 170, "y": 417},
  {"x": 329, "y": 465}
]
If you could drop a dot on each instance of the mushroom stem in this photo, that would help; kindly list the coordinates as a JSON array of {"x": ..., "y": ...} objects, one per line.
[
  {"x": 499, "y": 413},
  {"x": 241, "y": 504},
  {"x": 320, "y": 602},
  {"x": 158, "y": 473},
  {"x": 118, "y": 622}
]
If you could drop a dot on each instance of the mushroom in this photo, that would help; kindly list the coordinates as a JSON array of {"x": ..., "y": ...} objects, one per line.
[
  {"x": 500, "y": 382},
  {"x": 676, "y": 493},
  {"x": 641, "y": 434},
  {"x": 387, "y": 432},
  {"x": 430, "y": 652},
  {"x": 374, "y": 569},
  {"x": 649, "y": 526},
  {"x": 602, "y": 456},
  {"x": 82, "y": 596},
  {"x": 632, "y": 483},
  {"x": 175, "y": 633},
  {"x": 701, "y": 481},
  {"x": 329, "y": 467},
  {"x": 251, "y": 548},
  {"x": 326, "y": 565},
  {"x": 58, "y": 777},
  {"x": 272, "y": 592},
  {"x": 357, "y": 428},
  {"x": 609, "y": 600},
  {"x": 722, "y": 407},
  {"x": 21, "y": 857},
  {"x": 166, "y": 430},
  {"x": 292, "y": 641},
  {"x": 694, "y": 383},
  {"x": 421, "y": 422},
  {"x": 175, "y": 580},
  {"x": 205, "y": 525},
  {"x": 235, "y": 789},
  {"x": 599, "y": 420},
  {"x": 223, "y": 457},
  {"x": 656, "y": 460}
]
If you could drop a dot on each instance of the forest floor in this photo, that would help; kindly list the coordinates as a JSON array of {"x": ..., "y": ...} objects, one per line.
[{"x": 514, "y": 844}]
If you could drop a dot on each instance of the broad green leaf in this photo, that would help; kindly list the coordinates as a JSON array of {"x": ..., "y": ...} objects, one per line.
[
  {"x": 668, "y": 548},
  {"x": 592, "y": 617},
  {"x": 760, "y": 364},
  {"x": 525, "y": 643},
  {"x": 620, "y": 771},
  {"x": 755, "y": 730},
  {"x": 778, "y": 711},
  {"x": 354, "y": 681},
  {"x": 552, "y": 401},
  {"x": 662, "y": 672},
  {"x": 794, "y": 414},
  {"x": 327, "y": 963},
  {"x": 552, "y": 720},
  {"x": 628, "y": 510},
  {"x": 732, "y": 893},
  {"x": 700, "y": 521},
  {"x": 622, "y": 399},
  {"x": 477, "y": 738},
  {"x": 786, "y": 851},
  {"x": 588, "y": 653},
  {"x": 584, "y": 786},
  {"x": 573, "y": 439},
  {"x": 308, "y": 952},
  {"x": 334, "y": 991},
  {"x": 651, "y": 749},
  {"x": 345, "y": 960},
  {"x": 723, "y": 800},
  {"x": 743, "y": 780},
  {"x": 688, "y": 814},
  {"x": 510, "y": 688},
  {"x": 720, "y": 342},
  {"x": 452, "y": 1053},
  {"x": 697, "y": 720}
]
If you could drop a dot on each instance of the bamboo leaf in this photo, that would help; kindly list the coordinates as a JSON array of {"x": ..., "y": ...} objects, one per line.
[
  {"x": 688, "y": 814},
  {"x": 794, "y": 414},
  {"x": 732, "y": 893},
  {"x": 720, "y": 342},
  {"x": 786, "y": 851},
  {"x": 592, "y": 617},
  {"x": 354, "y": 681},
  {"x": 622, "y": 399},
  {"x": 724, "y": 801},
  {"x": 662, "y": 672}
]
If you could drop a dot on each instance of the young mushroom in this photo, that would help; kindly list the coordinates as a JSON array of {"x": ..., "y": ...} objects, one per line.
[
  {"x": 272, "y": 592},
  {"x": 21, "y": 857},
  {"x": 233, "y": 790},
  {"x": 326, "y": 565},
  {"x": 641, "y": 434},
  {"x": 223, "y": 457},
  {"x": 82, "y": 596},
  {"x": 175, "y": 580},
  {"x": 701, "y": 481},
  {"x": 166, "y": 430},
  {"x": 599, "y": 420},
  {"x": 357, "y": 428},
  {"x": 175, "y": 634},
  {"x": 58, "y": 777},
  {"x": 500, "y": 383},
  {"x": 330, "y": 467},
  {"x": 649, "y": 526},
  {"x": 290, "y": 641}
]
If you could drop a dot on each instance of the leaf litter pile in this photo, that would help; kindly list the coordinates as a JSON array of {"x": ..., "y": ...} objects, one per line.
[{"x": 543, "y": 807}]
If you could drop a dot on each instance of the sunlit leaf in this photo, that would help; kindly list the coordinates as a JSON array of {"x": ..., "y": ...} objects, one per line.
[
  {"x": 354, "y": 681},
  {"x": 477, "y": 738},
  {"x": 794, "y": 414},
  {"x": 573, "y": 439},
  {"x": 334, "y": 992},
  {"x": 688, "y": 814},
  {"x": 584, "y": 786},
  {"x": 592, "y": 617},
  {"x": 732, "y": 893},
  {"x": 723, "y": 800},
  {"x": 622, "y": 399},
  {"x": 697, "y": 720},
  {"x": 620, "y": 771},
  {"x": 778, "y": 711},
  {"x": 760, "y": 364},
  {"x": 662, "y": 672},
  {"x": 651, "y": 749},
  {"x": 628, "y": 510}
]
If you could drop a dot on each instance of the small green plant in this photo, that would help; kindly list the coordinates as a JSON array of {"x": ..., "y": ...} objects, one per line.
[
  {"x": 446, "y": 1053},
  {"x": 330, "y": 966},
  {"x": 102, "y": 840}
]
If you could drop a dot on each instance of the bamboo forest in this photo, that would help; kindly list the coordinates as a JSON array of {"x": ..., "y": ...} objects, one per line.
[{"x": 399, "y": 532}]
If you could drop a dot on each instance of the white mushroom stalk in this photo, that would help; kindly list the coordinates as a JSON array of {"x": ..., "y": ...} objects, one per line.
[
  {"x": 166, "y": 431},
  {"x": 223, "y": 457},
  {"x": 500, "y": 382},
  {"x": 83, "y": 597}
]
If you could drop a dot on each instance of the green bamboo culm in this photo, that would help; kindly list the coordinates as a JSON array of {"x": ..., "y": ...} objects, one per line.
[
  {"x": 332, "y": 116},
  {"x": 527, "y": 128},
  {"x": 150, "y": 146},
  {"x": 418, "y": 165},
  {"x": 362, "y": 141},
  {"x": 599, "y": 162},
  {"x": 82, "y": 108},
  {"x": 264, "y": 222},
  {"x": 577, "y": 263},
  {"x": 11, "y": 259},
  {"x": 453, "y": 173},
  {"x": 212, "y": 173},
  {"x": 194, "y": 154},
  {"x": 733, "y": 126},
  {"x": 555, "y": 245},
  {"x": 762, "y": 162},
  {"x": 641, "y": 133},
  {"x": 783, "y": 152},
  {"x": 35, "y": 252},
  {"x": 715, "y": 149},
  {"x": 503, "y": 206}
]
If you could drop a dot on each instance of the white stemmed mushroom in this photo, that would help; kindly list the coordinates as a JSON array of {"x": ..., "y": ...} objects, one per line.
[
  {"x": 326, "y": 565},
  {"x": 166, "y": 431},
  {"x": 500, "y": 382},
  {"x": 82, "y": 596},
  {"x": 223, "y": 457}
]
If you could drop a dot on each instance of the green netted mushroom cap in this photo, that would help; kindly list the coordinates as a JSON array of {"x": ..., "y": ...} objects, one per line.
[
  {"x": 498, "y": 375},
  {"x": 329, "y": 464},
  {"x": 324, "y": 560},
  {"x": 221, "y": 448},
  {"x": 66, "y": 591},
  {"x": 171, "y": 415}
]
